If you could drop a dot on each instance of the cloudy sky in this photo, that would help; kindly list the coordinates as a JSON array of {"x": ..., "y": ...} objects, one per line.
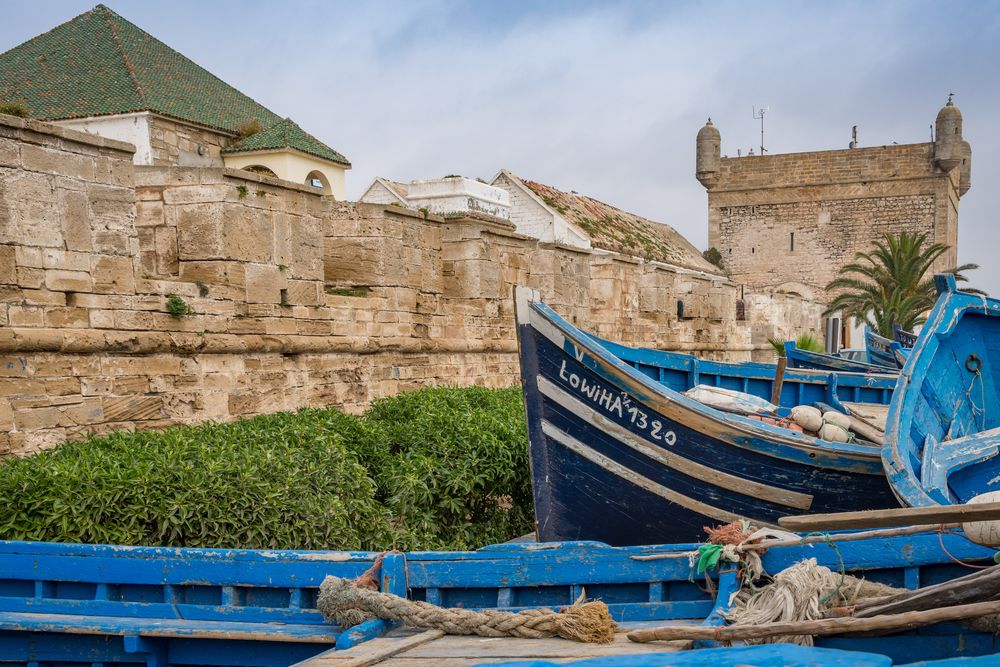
[{"x": 600, "y": 97}]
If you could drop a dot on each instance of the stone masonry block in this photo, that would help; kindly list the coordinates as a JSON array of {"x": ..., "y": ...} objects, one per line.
[
  {"x": 59, "y": 280},
  {"x": 232, "y": 274},
  {"x": 76, "y": 220},
  {"x": 53, "y": 258},
  {"x": 61, "y": 163},
  {"x": 304, "y": 293},
  {"x": 264, "y": 283},
  {"x": 8, "y": 266},
  {"x": 113, "y": 275},
  {"x": 166, "y": 251},
  {"x": 149, "y": 213},
  {"x": 67, "y": 318},
  {"x": 26, "y": 316},
  {"x": 10, "y": 154},
  {"x": 199, "y": 233},
  {"x": 247, "y": 234}
]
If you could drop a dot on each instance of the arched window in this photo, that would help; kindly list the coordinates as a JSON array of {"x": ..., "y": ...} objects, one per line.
[
  {"x": 317, "y": 180},
  {"x": 260, "y": 169}
]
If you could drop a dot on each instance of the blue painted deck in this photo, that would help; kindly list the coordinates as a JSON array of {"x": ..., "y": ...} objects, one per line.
[
  {"x": 942, "y": 436},
  {"x": 620, "y": 457}
]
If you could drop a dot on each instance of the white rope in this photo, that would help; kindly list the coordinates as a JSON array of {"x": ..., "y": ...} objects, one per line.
[{"x": 801, "y": 592}]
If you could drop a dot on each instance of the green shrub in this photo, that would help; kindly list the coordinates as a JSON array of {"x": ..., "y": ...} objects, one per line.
[
  {"x": 278, "y": 481},
  {"x": 178, "y": 307},
  {"x": 436, "y": 468},
  {"x": 15, "y": 109},
  {"x": 453, "y": 465}
]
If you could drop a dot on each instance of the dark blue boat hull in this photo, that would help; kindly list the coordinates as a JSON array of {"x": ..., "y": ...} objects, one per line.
[{"x": 609, "y": 465}]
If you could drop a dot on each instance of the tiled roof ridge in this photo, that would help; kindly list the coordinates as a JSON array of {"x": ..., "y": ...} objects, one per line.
[
  {"x": 128, "y": 64},
  {"x": 121, "y": 51}
]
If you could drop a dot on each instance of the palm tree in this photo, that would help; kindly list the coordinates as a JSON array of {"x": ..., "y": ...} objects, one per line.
[
  {"x": 892, "y": 284},
  {"x": 806, "y": 342}
]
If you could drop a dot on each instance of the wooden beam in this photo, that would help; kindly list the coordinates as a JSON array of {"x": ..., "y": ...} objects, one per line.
[
  {"x": 825, "y": 626},
  {"x": 903, "y": 516},
  {"x": 779, "y": 379}
]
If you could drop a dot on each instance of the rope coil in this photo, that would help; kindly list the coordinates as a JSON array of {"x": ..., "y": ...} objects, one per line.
[{"x": 347, "y": 603}]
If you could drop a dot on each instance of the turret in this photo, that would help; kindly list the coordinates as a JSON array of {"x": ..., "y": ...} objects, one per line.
[
  {"x": 948, "y": 137},
  {"x": 709, "y": 154},
  {"x": 965, "y": 181}
]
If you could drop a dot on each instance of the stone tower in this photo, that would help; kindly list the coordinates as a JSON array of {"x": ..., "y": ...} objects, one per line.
[{"x": 786, "y": 223}]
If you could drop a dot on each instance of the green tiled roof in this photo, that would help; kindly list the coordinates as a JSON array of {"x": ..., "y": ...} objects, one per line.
[
  {"x": 99, "y": 64},
  {"x": 286, "y": 134}
]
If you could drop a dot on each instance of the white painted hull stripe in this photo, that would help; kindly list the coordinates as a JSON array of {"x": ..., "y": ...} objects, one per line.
[
  {"x": 634, "y": 478},
  {"x": 802, "y": 501}
]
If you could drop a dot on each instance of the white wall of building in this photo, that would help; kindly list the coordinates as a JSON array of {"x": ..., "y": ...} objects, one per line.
[
  {"x": 132, "y": 128},
  {"x": 295, "y": 167},
  {"x": 458, "y": 194},
  {"x": 377, "y": 193},
  {"x": 529, "y": 217}
]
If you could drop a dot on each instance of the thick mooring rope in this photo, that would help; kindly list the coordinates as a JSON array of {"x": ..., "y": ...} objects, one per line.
[{"x": 342, "y": 601}]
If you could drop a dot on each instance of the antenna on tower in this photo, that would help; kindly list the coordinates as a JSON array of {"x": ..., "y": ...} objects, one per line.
[{"x": 759, "y": 114}]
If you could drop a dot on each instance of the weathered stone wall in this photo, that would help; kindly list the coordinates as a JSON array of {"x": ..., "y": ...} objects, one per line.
[
  {"x": 798, "y": 217},
  {"x": 177, "y": 143},
  {"x": 781, "y": 316},
  {"x": 295, "y": 299}
]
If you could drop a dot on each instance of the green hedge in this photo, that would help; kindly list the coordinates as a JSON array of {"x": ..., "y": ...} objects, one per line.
[{"x": 439, "y": 468}]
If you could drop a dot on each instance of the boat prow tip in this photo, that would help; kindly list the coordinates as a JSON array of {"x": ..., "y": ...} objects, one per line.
[{"x": 945, "y": 282}]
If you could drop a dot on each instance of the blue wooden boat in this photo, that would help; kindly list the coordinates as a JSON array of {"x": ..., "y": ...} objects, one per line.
[
  {"x": 830, "y": 362},
  {"x": 879, "y": 350},
  {"x": 899, "y": 353},
  {"x": 766, "y": 655},
  {"x": 942, "y": 435},
  {"x": 905, "y": 338},
  {"x": 620, "y": 455},
  {"x": 802, "y": 386},
  {"x": 72, "y": 605}
]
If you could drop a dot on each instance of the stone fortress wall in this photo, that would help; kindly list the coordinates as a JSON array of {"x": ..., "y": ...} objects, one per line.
[
  {"x": 295, "y": 299},
  {"x": 784, "y": 224},
  {"x": 796, "y": 218}
]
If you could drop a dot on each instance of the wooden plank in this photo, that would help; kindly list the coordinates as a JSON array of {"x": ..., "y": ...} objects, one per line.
[
  {"x": 872, "y": 413},
  {"x": 158, "y": 627},
  {"x": 512, "y": 647},
  {"x": 371, "y": 652},
  {"x": 903, "y": 516}
]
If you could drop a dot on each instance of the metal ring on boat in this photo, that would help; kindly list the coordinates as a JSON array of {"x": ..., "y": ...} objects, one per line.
[{"x": 973, "y": 363}]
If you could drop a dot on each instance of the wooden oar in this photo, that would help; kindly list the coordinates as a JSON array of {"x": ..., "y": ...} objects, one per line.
[
  {"x": 903, "y": 516},
  {"x": 824, "y": 626}
]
